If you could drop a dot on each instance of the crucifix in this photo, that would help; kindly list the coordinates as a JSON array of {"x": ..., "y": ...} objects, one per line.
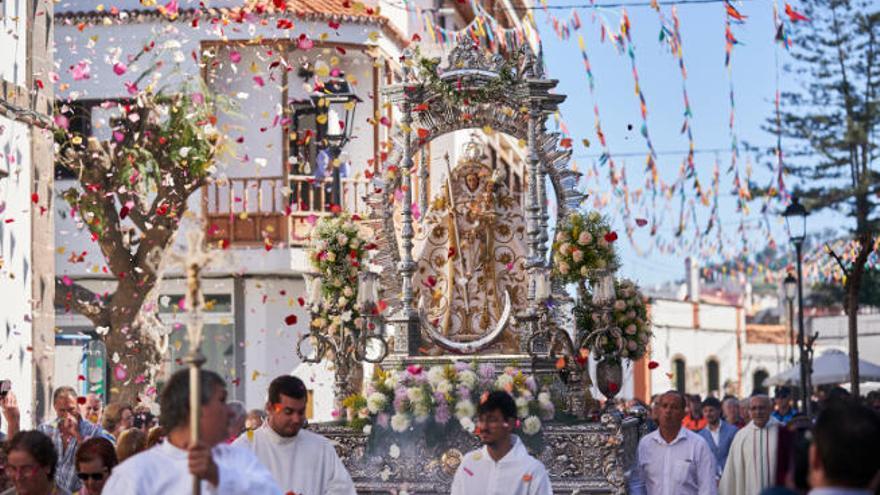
[{"x": 194, "y": 261}]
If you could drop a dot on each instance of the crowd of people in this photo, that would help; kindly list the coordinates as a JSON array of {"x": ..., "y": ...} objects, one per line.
[
  {"x": 759, "y": 446},
  {"x": 754, "y": 447}
]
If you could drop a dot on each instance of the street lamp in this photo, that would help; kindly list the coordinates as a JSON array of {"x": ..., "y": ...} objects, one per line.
[
  {"x": 790, "y": 287},
  {"x": 796, "y": 222},
  {"x": 335, "y": 104}
]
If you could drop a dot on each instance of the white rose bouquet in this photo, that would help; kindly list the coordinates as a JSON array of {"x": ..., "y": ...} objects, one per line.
[{"x": 583, "y": 243}]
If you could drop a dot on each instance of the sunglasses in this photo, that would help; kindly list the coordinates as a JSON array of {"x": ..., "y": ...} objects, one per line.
[{"x": 91, "y": 476}]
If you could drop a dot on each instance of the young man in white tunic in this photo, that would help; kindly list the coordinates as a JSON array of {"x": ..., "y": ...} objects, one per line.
[
  {"x": 302, "y": 462},
  {"x": 169, "y": 467},
  {"x": 751, "y": 463},
  {"x": 502, "y": 466}
]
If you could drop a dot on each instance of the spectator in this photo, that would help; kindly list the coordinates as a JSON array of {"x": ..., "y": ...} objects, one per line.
[
  {"x": 9, "y": 406},
  {"x": 784, "y": 409},
  {"x": 117, "y": 418},
  {"x": 255, "y": 419},
  {"x": 694, "y": 419},
  {"x": 237, "y": 417},
  {"x": 873, "y": 400},
  {"x": 673, "y": 449},
  {"x": 95, "y": 460},
  {"x": 155, "y": 436},
  {"x": 144, "y": 419},
  {"x": 67, "y": 432},
  {"x": 31, "y": 461},
  {"x": 730, "y": 408},
  {"x": 717, "y": 433},
  {"x": 92, "y": 408},
  {"x": 744, "y": 413},
  {"x": 131, "y": 442},
  {"x": 845, "y": 457}
]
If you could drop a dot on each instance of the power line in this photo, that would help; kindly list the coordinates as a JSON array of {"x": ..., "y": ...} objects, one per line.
[
  {"x": 593, "y": 5},
  {"x": 663, "y": 152}
]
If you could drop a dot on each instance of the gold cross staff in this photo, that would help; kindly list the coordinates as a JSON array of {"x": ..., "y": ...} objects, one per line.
[{"x": 195, "y": 260}]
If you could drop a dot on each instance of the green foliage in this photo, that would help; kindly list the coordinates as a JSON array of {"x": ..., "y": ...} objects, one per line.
[
  {"x": 832, "y": 118},
  {"x": 459, "y": 91},
  {"x": 626, "y": 334},
  {"x": 832, "y": 295}
]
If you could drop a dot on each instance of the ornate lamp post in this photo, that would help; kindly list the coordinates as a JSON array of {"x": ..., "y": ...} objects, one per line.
[
  {"x": 790, "y": 287},
  {"x": 796, "y": 222},
  {"x": 362, "y": 340},
  {"x": 335, "y": 107}
]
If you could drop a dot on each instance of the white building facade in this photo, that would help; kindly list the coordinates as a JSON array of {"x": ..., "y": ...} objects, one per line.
[
  {"x": 26, "y": 255},
  {"x": 268, "y": 191}
]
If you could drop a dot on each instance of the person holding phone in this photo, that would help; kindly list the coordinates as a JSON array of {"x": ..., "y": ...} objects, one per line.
[
  {"x": 9, "y": 407},
  {"x": 68, "y": 431}
]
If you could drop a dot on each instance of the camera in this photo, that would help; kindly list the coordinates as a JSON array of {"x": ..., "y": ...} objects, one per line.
[{"x": 5, "y": 387}]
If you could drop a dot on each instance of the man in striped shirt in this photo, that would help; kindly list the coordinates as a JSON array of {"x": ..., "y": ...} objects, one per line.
[{"x": 68, "y": 431}]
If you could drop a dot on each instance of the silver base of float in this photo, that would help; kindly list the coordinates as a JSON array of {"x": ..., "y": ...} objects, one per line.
[{"x": 585, "y": 457}]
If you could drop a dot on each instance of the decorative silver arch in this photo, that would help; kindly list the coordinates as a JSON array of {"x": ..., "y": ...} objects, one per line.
[{"x": 472, "y": 90}]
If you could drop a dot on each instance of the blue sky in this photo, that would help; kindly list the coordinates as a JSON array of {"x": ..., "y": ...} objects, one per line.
[{"x": 702, "y": 32}]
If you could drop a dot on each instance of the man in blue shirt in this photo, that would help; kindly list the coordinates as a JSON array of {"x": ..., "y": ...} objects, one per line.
[
  {"x": 68, "y": 431},
  {"x": 717, "y": 433},
  {"x": 784, "y": 409}
]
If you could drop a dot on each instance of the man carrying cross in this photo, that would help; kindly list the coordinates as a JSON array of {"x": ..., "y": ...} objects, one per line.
[{"x": 170, "y": 466}]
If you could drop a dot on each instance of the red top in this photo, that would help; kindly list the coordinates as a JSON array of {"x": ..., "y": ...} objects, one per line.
[{"x": 693, "y": 424}]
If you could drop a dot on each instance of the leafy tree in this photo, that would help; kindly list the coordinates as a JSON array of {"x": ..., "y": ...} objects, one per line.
[
  {"x": 830, "y": 295},
  {"x": 131, "y": 194},
  {"x": 832, "y": 118}
]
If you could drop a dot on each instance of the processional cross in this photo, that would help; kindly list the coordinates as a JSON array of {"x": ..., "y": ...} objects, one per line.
[{"x": 194, "y": 261}]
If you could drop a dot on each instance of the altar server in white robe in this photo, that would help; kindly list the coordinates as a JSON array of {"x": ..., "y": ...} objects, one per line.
[
  {"x": 302, "y": 462},
  {"x": 751, "y": 463},
  {"x": 168, "y": 468},
  {"x": 502, "y": 466}
]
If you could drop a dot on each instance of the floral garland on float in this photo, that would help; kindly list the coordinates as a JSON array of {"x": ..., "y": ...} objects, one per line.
[
  {"x": 584, "y": 243},
  {"x": 441, "y": 401},
  {"x": 610, "y": 316},
  {"x": 337, "y": 251}
]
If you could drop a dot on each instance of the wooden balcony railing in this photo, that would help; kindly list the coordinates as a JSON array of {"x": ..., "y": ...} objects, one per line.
[{"x": 251, "y": 211}]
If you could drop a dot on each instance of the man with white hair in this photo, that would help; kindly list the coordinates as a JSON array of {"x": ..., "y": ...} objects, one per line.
[{"x": 751, "y": 463}]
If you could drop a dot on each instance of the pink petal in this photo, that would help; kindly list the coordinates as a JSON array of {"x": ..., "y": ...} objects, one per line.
[{"x": 119, "y": 68}]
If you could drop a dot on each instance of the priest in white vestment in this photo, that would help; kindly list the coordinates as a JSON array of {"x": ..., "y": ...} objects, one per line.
[
  {"x": 302, "y": 462},
  {"x": 502, "y": 466},
  {"x": 751, "y": 463},
  {"x": 168, "y": 468}
]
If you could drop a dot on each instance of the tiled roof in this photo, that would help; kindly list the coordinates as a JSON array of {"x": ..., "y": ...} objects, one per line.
[{"x": 350, "y": 8}]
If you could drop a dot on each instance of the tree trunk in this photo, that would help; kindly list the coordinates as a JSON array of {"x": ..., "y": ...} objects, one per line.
[
  {"x": 853, "y": 287},
  {"x": 132, "y": 343}
]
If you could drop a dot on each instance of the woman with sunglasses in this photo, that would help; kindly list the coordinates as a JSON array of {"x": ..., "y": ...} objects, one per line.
[
  {"x": 30, "y": 465},
  {"x": 95, "y": 459}
]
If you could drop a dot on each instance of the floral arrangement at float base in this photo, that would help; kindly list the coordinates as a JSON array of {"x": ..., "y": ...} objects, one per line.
[
  {"x": 337, "y": 251},
  {"x": 583, "y": 243},
  {"x": 444, "y": 398},
  {"x": 627, "y": 331}
]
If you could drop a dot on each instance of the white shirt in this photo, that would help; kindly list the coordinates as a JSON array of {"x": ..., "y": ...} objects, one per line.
[
  {"x": 716, "y": 433},
  {"x": 683, "y": 466},
  {"x": 517, "y": 473},
  {"x": 164, "y": 469},
  {"x": 305, "y": 464}
]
